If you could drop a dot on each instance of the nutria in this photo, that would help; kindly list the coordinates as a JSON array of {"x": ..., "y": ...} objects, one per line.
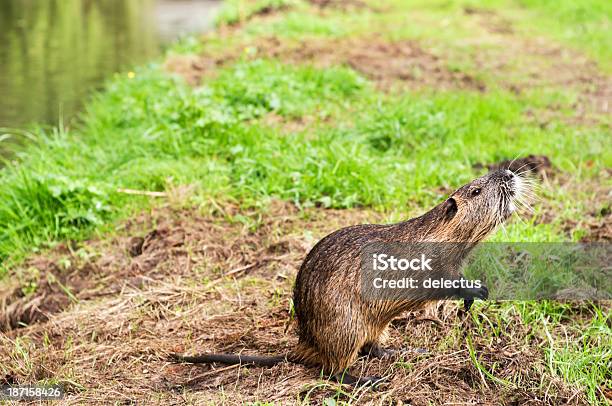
[{"x": 335, "y": 324}]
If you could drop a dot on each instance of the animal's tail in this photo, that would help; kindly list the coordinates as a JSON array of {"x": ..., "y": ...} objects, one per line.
[{"x": 231, "y": 359}]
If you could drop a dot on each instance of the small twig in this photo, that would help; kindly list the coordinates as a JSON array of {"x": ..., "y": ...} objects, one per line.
[
  {"x": 242, "y": 268},
  {"x": 142, "y": 192}
]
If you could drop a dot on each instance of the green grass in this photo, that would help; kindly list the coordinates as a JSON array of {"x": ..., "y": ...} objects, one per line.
[
  {"x": 583, "y": 353},
  {"x": 358, "y": 146},
  {"x": 153, "y": 133},
  {"x": 576, "y": 340},
  {"x": 583, "y": 24}
]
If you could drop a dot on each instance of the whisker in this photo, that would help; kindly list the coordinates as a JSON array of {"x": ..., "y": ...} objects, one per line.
[
  {"x": 522, "y": 166},
  {"x": 514, "y": 160}
]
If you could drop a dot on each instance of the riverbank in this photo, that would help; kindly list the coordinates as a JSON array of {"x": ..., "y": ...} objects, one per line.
[{"x": 176, "y": 213}]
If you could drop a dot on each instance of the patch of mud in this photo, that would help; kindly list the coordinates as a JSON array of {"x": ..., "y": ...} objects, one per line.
[
  {"x": 252, "y": 10},
  {"x": 44, "y": 287},
  {"x": 270, "y": 9},
  {"x": 20, "y": 309},
  {"x": 290, "y": 124},
  {"x": 406, "y": 62},
  {"x": 183, "y": 281},
  {"x": 391, "y": 65}
]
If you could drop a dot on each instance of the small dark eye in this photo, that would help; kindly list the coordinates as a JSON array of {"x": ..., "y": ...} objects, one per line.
[{"x": 476, "y": 192}]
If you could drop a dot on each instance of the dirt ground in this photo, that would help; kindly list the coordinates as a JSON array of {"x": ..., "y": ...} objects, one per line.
[{"x": 175, "y": 280}]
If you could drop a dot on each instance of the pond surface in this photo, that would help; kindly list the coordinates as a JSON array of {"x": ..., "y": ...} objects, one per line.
[{"x": 54, "y": 53}]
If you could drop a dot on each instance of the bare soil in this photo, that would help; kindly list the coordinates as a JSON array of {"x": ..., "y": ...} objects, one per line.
[
  {"x": 175, "y": 280},
  {"x": 391, "y": 65}
]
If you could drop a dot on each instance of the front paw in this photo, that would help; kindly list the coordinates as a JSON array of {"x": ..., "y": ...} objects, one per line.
[
  {"x": 469, "y": 294},
  {"x": 481, "y": 293}
]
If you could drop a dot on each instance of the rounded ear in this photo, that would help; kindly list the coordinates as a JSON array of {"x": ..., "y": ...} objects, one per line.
[{"x": 450, "y": 208}]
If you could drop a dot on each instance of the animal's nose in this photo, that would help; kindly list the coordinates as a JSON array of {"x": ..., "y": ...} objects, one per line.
[{"x": 507, "y": 176}]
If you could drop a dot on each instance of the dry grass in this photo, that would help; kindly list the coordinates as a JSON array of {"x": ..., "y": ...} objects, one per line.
[{"x": 194, "y": 282}]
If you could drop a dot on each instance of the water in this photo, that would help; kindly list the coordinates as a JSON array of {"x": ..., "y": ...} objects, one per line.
[{"x": 53, "y": 53}]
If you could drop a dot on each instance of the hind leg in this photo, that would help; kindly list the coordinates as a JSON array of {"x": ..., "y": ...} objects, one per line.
[
  {"x": 374, "y": 349},
  {"x": 309, "y": 356},
  {"x": 348, "y": 379},
  {"x": 338, "y": 343}
]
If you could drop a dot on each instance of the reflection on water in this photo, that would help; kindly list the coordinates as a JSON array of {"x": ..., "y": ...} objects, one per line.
[{"x": 54, "y": 52}]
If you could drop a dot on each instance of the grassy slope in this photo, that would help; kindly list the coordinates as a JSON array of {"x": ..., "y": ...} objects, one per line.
[{"x": 361, "y": 147}]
